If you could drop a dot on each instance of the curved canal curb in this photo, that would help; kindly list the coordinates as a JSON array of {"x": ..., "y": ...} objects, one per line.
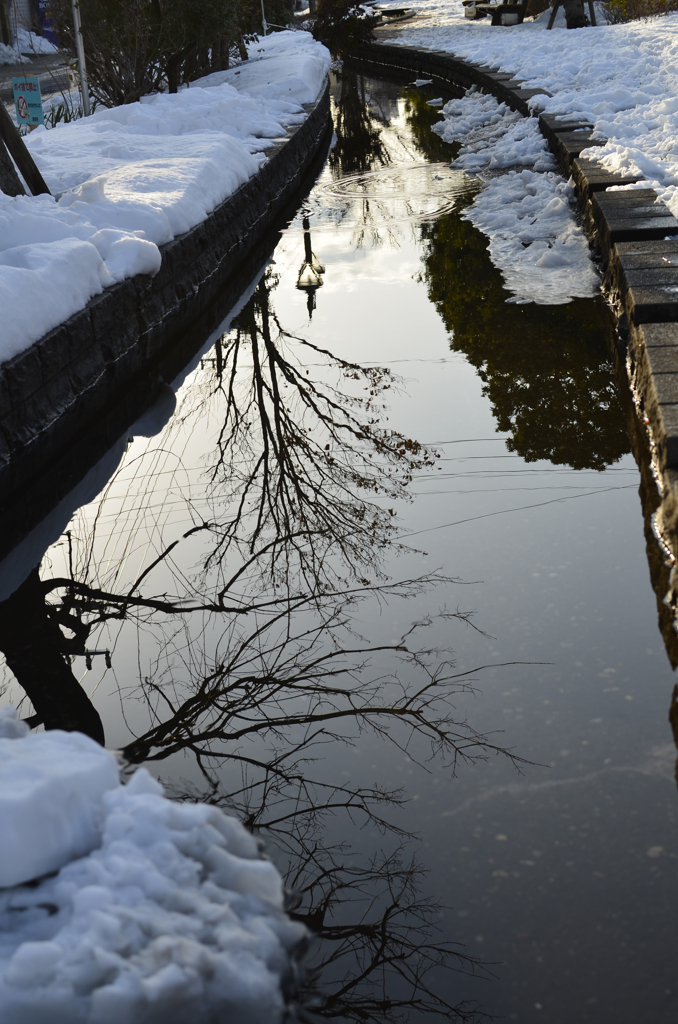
[
  {"x": 115, "y": 351},
  {"x": 632, "y": 232}
]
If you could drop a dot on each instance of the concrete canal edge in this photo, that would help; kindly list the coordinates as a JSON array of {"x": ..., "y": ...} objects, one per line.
[
  {"x": 633, "y": 234},
  {"x": 105, "y": 363}
]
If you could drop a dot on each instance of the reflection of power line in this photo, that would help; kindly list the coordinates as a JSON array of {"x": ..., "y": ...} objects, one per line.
[{"x": 521, "y": 508}]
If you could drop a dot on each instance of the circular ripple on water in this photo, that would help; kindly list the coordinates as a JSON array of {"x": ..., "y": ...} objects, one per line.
[{"x": 418, "y": 191}]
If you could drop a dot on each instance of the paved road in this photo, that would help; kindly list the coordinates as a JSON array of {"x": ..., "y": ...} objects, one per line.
[{"x": 51, "y": 69}]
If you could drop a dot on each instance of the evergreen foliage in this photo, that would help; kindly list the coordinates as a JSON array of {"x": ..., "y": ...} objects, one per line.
[{"x": 343, "y": 25}]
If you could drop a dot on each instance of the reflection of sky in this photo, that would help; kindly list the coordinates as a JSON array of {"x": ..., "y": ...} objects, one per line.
[
  {"x": 571, "y": 894},
  {"x": 567, "y": 872}
]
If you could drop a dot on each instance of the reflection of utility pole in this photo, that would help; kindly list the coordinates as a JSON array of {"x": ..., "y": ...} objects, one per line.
[{"x": 310, "y": 279}]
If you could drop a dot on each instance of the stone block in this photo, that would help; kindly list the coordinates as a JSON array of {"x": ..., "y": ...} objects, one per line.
[
  {"x": 633, "y": 215},
  {"x": 660, "y": 335},
  {"x": 590, "y": 177},
  {"x": 114, "y": 312},
  {"x": 647, "y": 261},
  {"x": 5, "y": 399},
  {"x": 629, "y": 198},
  {"x": 568, "y": 145},
  {"x": 664, "y": 425},
  {"x": 87, "y": 369},
  {"x": 23, "y": 375},
  {"x": 653, "y": 277},
  {"x": 80, "y": 334},
  {"x": 53, "y": 353},
  {"x": 665, "y": 388},
  {"x": 662, "y": 360},
  {"x": 556, "y": 123},
  {"x": 648, "y": 247},
  {"x": 652, "y": 304},
  {"x": 60, "y": 390}
]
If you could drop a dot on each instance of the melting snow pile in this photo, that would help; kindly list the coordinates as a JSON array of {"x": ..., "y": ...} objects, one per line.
[
  {"x": 168, "y": 916},
  {"x": 528, "y": 215},
  {"x": 133, "y": 177}
]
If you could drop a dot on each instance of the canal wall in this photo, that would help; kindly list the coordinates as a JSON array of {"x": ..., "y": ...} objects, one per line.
[
  {"x": 107, "y": 362},
  {"x": 633, "y": 234}
]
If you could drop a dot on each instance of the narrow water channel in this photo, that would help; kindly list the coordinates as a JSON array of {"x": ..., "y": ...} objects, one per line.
[{"x": 379, "y": 585}]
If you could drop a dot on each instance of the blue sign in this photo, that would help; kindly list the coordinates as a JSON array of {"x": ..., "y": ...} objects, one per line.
[
  {"x": 45, "y": 22},
  {"x": 27, "y": 101}
]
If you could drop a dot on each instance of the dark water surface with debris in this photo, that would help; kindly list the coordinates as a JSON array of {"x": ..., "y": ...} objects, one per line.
[{"x": 281, "y": 581}]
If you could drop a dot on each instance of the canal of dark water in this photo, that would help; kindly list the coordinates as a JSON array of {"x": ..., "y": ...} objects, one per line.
[{"x": 379, "y": 585}]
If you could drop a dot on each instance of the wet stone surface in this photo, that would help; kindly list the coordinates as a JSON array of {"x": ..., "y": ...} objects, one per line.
[{"x": 282, "y": 578}]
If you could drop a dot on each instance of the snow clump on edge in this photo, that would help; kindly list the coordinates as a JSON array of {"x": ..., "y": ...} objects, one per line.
[
  {"x": 173, "y": 918},
  {"x": 528, "y": 215}
]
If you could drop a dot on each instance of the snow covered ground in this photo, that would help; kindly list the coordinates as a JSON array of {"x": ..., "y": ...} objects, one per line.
[
  {"x": 624, "y": 78},
  {"x": 128, "y": 179},
  {"x": 168, "y": 916}
]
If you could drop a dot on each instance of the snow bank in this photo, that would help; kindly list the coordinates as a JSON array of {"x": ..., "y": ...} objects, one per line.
[
  {"x": 128, "y": 179},
  {"x": 26, "y": 42},
  {"x": 51, "y": 787},
  {"x": 621, "y": 77},
  {"x": 528, "y": 215},
  {"x": 172, "y": 918}
]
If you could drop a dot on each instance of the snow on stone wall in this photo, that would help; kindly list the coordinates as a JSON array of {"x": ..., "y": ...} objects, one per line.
[{"x": 128, "y": 179}]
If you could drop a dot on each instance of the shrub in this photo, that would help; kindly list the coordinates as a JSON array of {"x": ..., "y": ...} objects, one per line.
[{"x": 618, "y": 12}]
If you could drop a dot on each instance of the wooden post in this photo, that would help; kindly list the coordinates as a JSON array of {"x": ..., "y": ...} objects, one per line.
[
  {"x": 560, "y": 3},
  {"x": 9, "y": 179},
  {"x": 19, "y": 153}
]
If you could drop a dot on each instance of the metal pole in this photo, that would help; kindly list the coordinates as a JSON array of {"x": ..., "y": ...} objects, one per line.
[
  {"x": 80, "y": 50},
  {"x": 263, "y": 18}
]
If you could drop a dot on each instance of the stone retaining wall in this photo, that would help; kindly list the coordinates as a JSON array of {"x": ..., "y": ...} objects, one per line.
[{"x": 104, "y": 364}]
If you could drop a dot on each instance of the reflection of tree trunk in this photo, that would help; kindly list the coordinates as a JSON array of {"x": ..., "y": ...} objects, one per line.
[
  {"x": 33, "y": 645},
  {"x": 673, "y": 719}
]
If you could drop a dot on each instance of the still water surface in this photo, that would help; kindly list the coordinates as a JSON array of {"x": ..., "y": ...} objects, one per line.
[{"x": 252, "y": 568}]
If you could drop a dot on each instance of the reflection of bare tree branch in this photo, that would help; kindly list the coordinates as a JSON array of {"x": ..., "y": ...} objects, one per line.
[
  {"x": 375, "y": 963},
  {"x": 300, "y": 456},
  {"x": 289, "y": 680},
  {"x": 257, "y": 666}
]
